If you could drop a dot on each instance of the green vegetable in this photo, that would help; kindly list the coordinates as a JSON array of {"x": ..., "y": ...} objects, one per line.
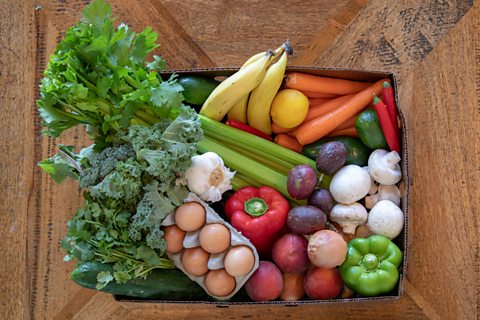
[
  {"x": 357, "y": 153},
  {"x": 97, "y": 77},
  {"x": 371, "y": 265},
  {"x": 370, "y": 131},
  {"x": 196, "y": 89},
  {"x": 130, "y": 188},
  {"x": 159, "y": 284}
]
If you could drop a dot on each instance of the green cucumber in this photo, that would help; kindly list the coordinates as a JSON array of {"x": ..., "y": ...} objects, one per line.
[
  {"x": 162, "y": 284},
  {"x": 370, "y": 131},
  {"x": 357, "y": 152},
  {"x": 196, "y": 89}
]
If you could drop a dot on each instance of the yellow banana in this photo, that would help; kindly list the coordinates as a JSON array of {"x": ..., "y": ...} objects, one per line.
[
  {"x": 258, "y": 109},
  {"x": 239, "y": 110},
  {"x": 232, "y": 89}
]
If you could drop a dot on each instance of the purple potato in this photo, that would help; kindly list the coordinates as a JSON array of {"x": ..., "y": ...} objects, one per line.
[
  {"x": 306, "y": 220},
  {"x": 322, "y": 199}
]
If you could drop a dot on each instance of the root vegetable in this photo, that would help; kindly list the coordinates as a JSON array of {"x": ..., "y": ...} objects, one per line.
[
  {"x": 306, "y": 220},
  {"x": 327, "y": 249},
  {"x": 301, "y": 182},
  {"x": 323, "y": 283},
  {"x": 266, "y": 283},
  {"x": 292, "y": 287},
  {"x": 322, "y": 199},
  {"x": 290, "y": 253}
]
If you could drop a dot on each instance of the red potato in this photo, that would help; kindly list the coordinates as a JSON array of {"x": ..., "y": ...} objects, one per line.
[
  {"x": 292, "y": 287},
  {"x": 323, "y": 283},
  {"x": 266, "y": 283},
  {"x": 290, "y": 253}
]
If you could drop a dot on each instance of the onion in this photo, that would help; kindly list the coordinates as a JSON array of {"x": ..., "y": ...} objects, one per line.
[{"x": 327, "y": 249}]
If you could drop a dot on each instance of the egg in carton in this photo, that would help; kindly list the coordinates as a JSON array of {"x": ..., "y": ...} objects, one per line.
[{"x": 197, "y": 243}]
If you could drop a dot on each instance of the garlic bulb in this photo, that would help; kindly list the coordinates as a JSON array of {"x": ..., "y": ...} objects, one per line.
[{"x": 208, "y": 177}]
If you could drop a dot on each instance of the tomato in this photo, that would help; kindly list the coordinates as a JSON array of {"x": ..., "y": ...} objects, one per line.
[{"x": 289, "y": 108}]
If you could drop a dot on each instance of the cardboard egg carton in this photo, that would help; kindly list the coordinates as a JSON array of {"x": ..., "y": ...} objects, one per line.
[{"x": 216, "y": 260}]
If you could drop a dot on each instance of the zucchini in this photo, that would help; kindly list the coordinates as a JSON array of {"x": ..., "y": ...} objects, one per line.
[
  {"x": 357, "y": 152},
  {"x": 161, "y": 284}
]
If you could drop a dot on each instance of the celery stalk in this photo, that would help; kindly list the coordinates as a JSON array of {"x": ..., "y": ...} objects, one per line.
[
  {"x": 246, "y": 166},
  {"x": 268, "y": 150}
]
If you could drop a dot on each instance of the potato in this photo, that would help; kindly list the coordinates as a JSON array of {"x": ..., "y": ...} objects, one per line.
[
  {"x": 292, "y": 287},
  {"x": 302, "y": 180},
  {"x": 323, "y": 283},
  {"x": 266, "y": 283},
  {"x": 306, "y": 220},
  {"x": 331, "y": 156},
  {"x": 290, "y": 253},
  {"x": 322, "y": 199}
]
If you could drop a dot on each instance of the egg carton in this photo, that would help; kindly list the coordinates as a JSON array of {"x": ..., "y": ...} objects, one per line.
[{"x": 216, "y": 261}]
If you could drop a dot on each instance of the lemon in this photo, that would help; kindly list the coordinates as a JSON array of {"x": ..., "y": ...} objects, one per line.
[{"x": 289, "y": 108}]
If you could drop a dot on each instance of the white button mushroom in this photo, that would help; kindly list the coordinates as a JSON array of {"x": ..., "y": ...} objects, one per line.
[
  {"x": 373, "y": 185},
  {"x": 349, "y": 216},
  {"x": 351, "y": 183},
  {"x": 383, "y": 166},
  {"x": 386, "y": 219},
  {"x": 384, "y": 193}
]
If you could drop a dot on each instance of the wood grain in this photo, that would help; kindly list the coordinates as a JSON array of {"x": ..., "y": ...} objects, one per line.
[{"x": 433, "y": 46}]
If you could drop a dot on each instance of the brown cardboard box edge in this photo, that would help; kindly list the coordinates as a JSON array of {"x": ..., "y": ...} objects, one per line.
[{"x": 401, "y": 240}]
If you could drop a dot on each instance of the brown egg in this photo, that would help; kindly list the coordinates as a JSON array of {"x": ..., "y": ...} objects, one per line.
[
  {"x": 219, "y": 283},
  {"x": 239, "y": 261},
  {"x": 195, "y": 261},
  {"x": 214, "y": 238},
  {"x": 174, "y": 237},
  {"x": 190, "y": 216}
]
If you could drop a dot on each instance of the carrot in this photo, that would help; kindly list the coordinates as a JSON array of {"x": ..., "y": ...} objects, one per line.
[
  {"x": 311, "y": 83},
  {"x": 319, "y": 127},
  {"x": 288, "y": 142},
  {"x": 291, "y": 134},
  {"x": 277, "y": 129},
  {"x": 319, "y": 95},
  {"x": 320, "y": 110},
  {"x": 317, "y": 101},
  {"x": 349, "y": 123},
  {"x": 350, "y": 131}
]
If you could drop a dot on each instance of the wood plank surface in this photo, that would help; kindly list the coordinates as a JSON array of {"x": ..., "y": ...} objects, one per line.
[{"x": 433, "y": 46}]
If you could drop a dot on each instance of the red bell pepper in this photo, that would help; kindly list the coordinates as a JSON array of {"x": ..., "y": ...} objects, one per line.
[
  {"x": 388, "y": 128},
  {"x": 242, "y": 126},
  {"x": 259, "y": 214}
]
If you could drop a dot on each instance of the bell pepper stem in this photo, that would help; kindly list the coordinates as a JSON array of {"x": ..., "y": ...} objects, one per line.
[
  {"x": 255, "y": 207},
  {"x": 370, "y": 262}
]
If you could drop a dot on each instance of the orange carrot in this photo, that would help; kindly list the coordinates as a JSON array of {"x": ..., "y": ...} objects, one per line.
[
  {"x": 320, "y": 110},
  {"x": 291, "y": 134},
  {"x": 311, "y": 83},
  {"x": 350, "y": 131},
  {"x": 349, "y": 123},
  {"x": 288, "y": 142},
  {"x": 319, "y": 95},
  {"x": 317, "y": 101},
  {"x": 317, "y": 128},
  {"x": 277, "y": 129}
]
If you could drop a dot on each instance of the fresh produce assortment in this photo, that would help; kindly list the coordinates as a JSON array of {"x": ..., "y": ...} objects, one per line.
[{"x": 286, "y": 185}]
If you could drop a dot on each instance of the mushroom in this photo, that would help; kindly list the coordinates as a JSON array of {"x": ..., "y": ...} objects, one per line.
[
  {"x": 373, "y": 185},
  {"x": 351, "y": 183},
  {"x": 386, "y": 219},
  {"x": 383, "y": 167},
  {"x": 391, "y": 193},
  {"x": 349, "y": 216}
]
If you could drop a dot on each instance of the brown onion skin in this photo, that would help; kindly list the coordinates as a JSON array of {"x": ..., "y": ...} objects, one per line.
[{"x": 327, "y": 249}]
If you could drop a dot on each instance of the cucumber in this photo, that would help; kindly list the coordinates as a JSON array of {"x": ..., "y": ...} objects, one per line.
[
  {"x": 370, "y": 131},
  {"x": 357, "y": 152},
  {"x": 164, "y": 284},
  {"x": 196, "y": 89}
]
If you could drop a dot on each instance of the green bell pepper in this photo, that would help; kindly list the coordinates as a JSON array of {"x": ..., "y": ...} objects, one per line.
[{"x": 371, "y": 265}]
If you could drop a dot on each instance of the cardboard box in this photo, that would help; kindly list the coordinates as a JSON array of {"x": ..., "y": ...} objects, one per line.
[{"x": 401, "y": 240}]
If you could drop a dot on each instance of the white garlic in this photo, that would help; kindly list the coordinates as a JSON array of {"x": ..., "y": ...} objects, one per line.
[{"x": 208, "y": 177}]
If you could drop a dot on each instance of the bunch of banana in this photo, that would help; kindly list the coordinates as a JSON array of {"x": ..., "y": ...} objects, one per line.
[{"x": 247, "y": 94}]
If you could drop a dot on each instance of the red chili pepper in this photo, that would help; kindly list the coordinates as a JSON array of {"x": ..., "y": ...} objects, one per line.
[
  {"x": 386, "y": 123},
  {"x": 389, "y": 99},
  {"x": 259, "y": 214},
  {"x": 242, "y": 126}
]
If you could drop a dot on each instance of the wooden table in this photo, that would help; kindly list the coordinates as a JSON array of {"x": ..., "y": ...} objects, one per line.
[{"x": 433, "y": 46}]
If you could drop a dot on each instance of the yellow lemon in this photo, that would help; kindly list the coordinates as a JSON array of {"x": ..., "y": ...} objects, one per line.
[{"x": 289, "y": 108}]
